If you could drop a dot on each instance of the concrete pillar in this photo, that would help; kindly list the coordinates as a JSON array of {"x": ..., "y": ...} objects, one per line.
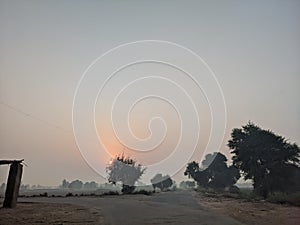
[{"x": 13, "y": 185}]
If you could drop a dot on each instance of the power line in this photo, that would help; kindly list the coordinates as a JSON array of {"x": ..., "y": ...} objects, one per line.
[{"x": 26, "y": 114}]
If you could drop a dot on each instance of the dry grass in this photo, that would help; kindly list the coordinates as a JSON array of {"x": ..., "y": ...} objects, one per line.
[
  {"x": 251, "y": 212},
  {"x": 47, "y": 213}
]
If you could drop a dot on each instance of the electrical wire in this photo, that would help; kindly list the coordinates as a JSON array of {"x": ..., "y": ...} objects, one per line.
[{"x": 26, "y": 114}]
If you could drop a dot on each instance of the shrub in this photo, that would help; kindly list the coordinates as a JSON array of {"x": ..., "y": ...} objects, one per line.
[
  {"x": 110, "y": 193},
  {"x": 284, "y": 198},
  {"x": 70, "y": 194},
  {"x": 143, "y": 192}
]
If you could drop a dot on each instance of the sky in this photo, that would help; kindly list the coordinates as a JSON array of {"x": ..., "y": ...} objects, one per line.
[{"x": 252, "y": 47}]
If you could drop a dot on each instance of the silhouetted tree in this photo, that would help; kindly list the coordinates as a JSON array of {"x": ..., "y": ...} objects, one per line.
[
  {"x": 65, "y": 184},
  {"x": 209, "y": 158},
  {"x": 194, "y": 171},
  {"x": 24, "y": 187},
  {"x": 76, "y": 184},
  {"x": 125, "y": 170},
  {"x": 214, "y": 172},
  {"x": 191, "y": 169},
  {"x": 266, "y": 158},
  {"x": 161, "y": 182},
  {"x": 90, "y": 185}
]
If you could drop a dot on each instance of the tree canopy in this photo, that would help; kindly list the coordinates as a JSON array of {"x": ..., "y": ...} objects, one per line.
[
  {"x": 76, "y": 184},
  {"x": 214, "y": 172},
  {"x": 126, "y": 171},
  {"x": 266, "y": 158},
  {"x": 161, "y": 182}
]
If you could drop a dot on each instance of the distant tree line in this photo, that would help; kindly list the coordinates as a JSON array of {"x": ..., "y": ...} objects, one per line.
[
  {"x": 77, "y": 184},
  {"x": 3, "y": 186}
]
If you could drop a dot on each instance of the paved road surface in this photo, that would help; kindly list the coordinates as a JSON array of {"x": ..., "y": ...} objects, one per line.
[{"x": 178, "y": 207}]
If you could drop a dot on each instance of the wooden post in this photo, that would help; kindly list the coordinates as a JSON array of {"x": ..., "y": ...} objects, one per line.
[{"x": 13, "y": 185}]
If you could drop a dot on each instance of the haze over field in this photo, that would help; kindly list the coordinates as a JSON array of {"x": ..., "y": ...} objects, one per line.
[{"x": 45, "y": 47}]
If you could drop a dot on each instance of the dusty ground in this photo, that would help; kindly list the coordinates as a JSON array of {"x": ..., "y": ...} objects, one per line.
[
  {"x": 174, "y": 208},
  {"x": 47, "y": 213},
  {"x": 180, "y": 207},
  {"x": 252, "y": 213}
]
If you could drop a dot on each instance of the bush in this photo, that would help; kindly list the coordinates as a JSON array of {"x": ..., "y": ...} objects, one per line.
[
  {"x": 283, "y": 198},
  {"x": 234, "y": 189},
  {"x": 248, "y": 195},
  {"x": 110, "y": 193},
  {"x": 164, "y": 183},
  {"x": 45, "y": 194},
  {"x": 143, "y": 192},
  {"x": 70, "y": 194}
]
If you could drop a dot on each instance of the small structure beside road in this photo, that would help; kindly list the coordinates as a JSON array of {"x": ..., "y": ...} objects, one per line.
[{"x": 13, "y": 182}]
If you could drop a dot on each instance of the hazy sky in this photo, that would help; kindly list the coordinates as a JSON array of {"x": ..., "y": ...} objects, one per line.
[{"x": 45, "y": 46}]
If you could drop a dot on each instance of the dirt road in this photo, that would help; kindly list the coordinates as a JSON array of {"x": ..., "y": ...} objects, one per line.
[{"x": 178, "y": 207}]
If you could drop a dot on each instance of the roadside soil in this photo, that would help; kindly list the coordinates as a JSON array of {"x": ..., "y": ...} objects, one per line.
[
  {"x": 252, "y": 212},
  {"x": 49, "y": 213}
]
